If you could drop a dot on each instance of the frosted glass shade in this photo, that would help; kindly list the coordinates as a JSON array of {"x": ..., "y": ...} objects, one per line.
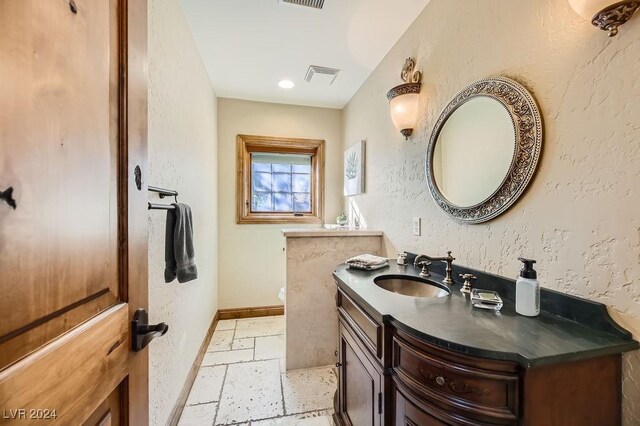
[
  {"x": 404, "y": 111},
  {"x": 588, "y": 8}
]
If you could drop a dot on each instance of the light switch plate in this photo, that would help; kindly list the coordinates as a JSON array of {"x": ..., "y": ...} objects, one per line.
[{"x": 416, "y": 226}]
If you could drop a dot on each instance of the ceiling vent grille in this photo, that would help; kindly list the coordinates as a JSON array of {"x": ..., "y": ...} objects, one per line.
[
  {"x": 330, "y": 73},
  {"x": 316, "y": 4}
]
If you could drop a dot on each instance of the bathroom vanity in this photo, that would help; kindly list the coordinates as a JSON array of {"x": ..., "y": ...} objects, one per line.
[{"x": 405, "y": 360}]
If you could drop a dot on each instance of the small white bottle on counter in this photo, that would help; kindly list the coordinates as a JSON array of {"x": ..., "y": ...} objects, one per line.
[{"x": 528, "y": 290}]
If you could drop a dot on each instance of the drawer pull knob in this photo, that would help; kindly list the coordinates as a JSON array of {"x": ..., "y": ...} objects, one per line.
[{"x": 440, "y": 380}]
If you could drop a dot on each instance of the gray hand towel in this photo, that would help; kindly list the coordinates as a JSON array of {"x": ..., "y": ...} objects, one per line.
[{"x": 179, "y": 254}]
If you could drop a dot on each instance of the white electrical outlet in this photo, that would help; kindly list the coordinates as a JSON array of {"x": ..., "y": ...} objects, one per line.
[{"x": 416, "y": 226}]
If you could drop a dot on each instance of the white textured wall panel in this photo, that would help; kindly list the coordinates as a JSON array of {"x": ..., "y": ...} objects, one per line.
[{"x": 182, "y": 156}]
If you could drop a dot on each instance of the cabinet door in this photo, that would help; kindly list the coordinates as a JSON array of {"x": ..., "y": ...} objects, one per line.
[
  {"x": 407, "y": 414},
  {"x": 360, "y": 398}
]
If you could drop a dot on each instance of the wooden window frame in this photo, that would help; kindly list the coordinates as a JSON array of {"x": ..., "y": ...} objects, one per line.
[{"x": 247, "y": 144}]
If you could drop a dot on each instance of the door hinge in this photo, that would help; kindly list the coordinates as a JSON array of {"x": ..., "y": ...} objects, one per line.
[{"x": 380, "y": 403}]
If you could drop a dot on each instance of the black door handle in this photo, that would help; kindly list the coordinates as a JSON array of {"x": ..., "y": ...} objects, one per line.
[{"x": 142, "y": 332}]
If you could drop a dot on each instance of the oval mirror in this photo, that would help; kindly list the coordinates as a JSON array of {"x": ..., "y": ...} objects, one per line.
[{"x": 484, "y": 150}]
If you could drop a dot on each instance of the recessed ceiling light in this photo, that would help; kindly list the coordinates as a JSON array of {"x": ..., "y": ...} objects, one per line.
[{"x": 286, "y": 84}]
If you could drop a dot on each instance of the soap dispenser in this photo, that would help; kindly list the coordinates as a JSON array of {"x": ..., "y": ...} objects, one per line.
[{"x": 527, "y": 290}]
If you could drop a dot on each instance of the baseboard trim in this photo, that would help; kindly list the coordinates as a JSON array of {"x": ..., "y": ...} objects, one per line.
[
  {"x": 255, "y": 312},
  {"x": 193, "y": 373}
]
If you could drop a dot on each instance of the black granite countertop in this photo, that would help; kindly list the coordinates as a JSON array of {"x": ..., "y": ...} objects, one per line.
[{"x": 450, "y": 322}]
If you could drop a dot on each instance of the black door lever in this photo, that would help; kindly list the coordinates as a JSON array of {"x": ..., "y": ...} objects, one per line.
[{"x": 142, "y": 332}]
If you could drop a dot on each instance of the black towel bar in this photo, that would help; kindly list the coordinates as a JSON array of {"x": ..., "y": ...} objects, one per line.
[
  {"x": 153, "y": 206},
  {"x": 163, "y": 193}
]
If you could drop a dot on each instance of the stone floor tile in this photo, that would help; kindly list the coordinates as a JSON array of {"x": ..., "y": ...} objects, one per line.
[
  {"x": 226, "y": 325},
  {"x": 309, "y": 390},
  {"x": 246, "y": 343},
  {"x": 207, "y": 386},
  {"x": 251, "y": 391},
  {"x": 316, "y": 418},
  {"x": 198, "y": 415},
  {"x": 227, "y": 357},
  {"x": 257, "y": 327},
  {"x": 221, "y": 341},
  {"x": 269, "y": 347}
]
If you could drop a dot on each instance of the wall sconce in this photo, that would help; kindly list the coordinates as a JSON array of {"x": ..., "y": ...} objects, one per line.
[
  {"x": 403, "y": 99},
  {"x": 607, "y": 15}
]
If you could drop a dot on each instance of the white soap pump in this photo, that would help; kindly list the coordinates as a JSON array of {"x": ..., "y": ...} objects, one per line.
[{"x": 528, "y": 290}]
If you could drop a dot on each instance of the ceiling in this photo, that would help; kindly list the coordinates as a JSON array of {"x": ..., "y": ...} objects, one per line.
[{"x": 248, "y": 46}]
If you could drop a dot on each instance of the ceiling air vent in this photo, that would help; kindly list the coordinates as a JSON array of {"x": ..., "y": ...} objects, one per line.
[
  {"x": 316, "y": 4},
  {"x": 316, "y": 72}
]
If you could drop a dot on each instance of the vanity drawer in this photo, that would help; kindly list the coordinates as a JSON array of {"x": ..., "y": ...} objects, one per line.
[
  {"x": 367, "y": 329},
  {"x": 474, "y": 392}
]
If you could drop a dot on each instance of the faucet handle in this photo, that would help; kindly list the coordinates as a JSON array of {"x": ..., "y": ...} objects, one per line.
[
  {"x": 467, "y": 282},
  {"x": 425, "y": 268}
]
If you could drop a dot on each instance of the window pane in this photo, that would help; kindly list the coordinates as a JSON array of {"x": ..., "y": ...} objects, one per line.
[
  {"x": 282, "y": 168},
  {"x": 261, "y": 182},
  {"x": 301, "y": 202},
  {"x": 306, "y": 168},
  {"x": 282, "y": 202},
  {"x": 261, "y": 202},
  {"x": 301, "y": 183},
  {"x": 261, "y": 167},
  {"x": 275, "y": 186},
  {"x": 281, "y": 182}
]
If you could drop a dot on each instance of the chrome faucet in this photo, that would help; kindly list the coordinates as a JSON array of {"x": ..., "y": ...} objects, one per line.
[{"x": 428, "y": 259}]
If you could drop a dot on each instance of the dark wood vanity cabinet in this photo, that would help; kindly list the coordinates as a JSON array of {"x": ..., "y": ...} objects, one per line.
[
  {"x": 359, "y": 398},
  {"x": 360, "y": 394},
  {"x": 390, "y": 377},
  {"x": 409, "y": 414},
  {"x": 433, "y": 383}
]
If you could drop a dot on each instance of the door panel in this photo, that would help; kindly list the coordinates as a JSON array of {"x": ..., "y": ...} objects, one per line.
[
  {"x": 73, "y": 254},
  {"x": 92, "y": 359},
  {"x": 108, "y": 413},
  {"x": 59, "y": 121},
  {"x": 359, "y": 387}
]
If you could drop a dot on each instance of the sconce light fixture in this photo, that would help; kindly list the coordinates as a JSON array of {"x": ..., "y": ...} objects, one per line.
[
  {"x": 607, "y": 15},
  {"x": 403, "y": 99}
]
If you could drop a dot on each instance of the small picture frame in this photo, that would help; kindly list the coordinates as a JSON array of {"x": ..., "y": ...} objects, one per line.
[{"x": 354, "y": 162}]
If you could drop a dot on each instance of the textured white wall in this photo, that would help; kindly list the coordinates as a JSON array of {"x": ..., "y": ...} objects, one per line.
[
  {"x": 252, "y": 258},
  {"x": 182, "y": 155},
  {"x": 580, "y": 217}
]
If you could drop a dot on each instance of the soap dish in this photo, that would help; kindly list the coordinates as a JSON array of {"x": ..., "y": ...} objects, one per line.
[{"x": 486, "y": 299}]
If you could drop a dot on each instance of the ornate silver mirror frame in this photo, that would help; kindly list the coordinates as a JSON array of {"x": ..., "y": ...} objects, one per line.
[{"x": 528, "y": 130}]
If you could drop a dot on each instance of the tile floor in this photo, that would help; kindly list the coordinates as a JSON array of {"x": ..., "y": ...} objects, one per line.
[{"x": 242, "y": 381}]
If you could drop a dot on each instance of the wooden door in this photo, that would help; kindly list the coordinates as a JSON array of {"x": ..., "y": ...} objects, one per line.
[
  {"x": 359, "y": 384},
  {"x": 73, "y": 251}
]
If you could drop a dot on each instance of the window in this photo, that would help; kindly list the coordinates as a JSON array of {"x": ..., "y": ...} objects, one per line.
[{"x": 280, "y": 180}]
